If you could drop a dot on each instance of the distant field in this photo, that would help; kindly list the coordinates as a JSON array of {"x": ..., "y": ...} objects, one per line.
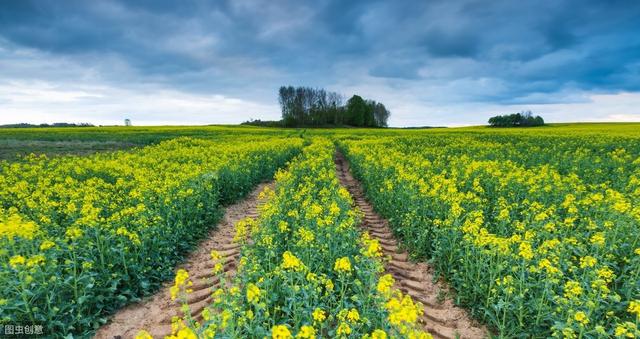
[
  {"x": 81, "y": 141},
  {"x": 11, "y": 149},
  {"x": 18, "y": 142}
]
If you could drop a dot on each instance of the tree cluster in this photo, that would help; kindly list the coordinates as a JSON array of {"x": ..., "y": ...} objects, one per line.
[
  {"x": 522, "y": 119},
  {"x": 306, "y": 106}
]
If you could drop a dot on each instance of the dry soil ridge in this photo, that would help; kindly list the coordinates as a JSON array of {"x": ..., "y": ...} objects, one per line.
[
  {"x": 154, "y": 313},
  {"x": 442, "y": 318}
]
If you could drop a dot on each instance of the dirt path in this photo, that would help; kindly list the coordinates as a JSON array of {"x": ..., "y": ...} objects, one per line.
[
  {"x": 441, "y": 317},
  {"x": 154, "y": 314}
]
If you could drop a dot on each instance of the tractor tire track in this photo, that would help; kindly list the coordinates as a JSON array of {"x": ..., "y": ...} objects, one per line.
[
  {"x": 442, "y": 318},
  {"x": 155, "y": 313}
]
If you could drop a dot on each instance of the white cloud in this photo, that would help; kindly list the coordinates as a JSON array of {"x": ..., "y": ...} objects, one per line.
[
  {"x": 38, "y": 102},
  {"x": 624, "y": 106}
]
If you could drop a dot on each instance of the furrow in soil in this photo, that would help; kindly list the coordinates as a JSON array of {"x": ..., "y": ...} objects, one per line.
[{"x": 442, "y": 318}]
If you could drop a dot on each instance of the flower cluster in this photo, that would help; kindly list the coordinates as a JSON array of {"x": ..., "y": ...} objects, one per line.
[
  {"x": 308, "y": 271},
  {"x": 537, "y": 233},
  {"x": 81, "y": 236}
]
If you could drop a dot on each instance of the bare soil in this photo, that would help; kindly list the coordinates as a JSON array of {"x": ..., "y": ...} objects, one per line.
[
  {"x": 442, "y": 318},
  {"x": 154, "y": 313}
]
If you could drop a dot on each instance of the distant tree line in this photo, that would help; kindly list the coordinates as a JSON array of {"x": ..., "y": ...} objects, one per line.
[
  {"x": 522, "y": 119},
  {"x": 263, "y": 123},
  {"x": 55, "y": 124},
  {"x": 306, "y": 106}
]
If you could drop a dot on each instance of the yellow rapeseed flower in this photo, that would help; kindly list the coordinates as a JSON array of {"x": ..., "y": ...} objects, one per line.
[
  {"x": 16, "y": 261},
  {"x": 307, "y": 332},
  {"x": 143, "y": 335},
  {"x": 342, "y": 265},
  {"x": 47, "y": 244},
  {"x": 353, "y": 315},
  {"x": 343, "y": 329},
  {"x": 634, "y": 308},
  {"x": 319, "y": 315},
  {"x": 15, "y": 226},
  {"x": 280, "y": 332},
  {"x": 385, "y": 283},
  {"x": 525, "y": 251},
  {"x": 291, "y": 262},
  {"x": 181, "y": 281},
  {"x": 253, "y": 293},
  {"x": 572, "y": 289},
  {"x": 587, "y": 261},
  {"x": 581, "y": 317},
  {"x": 73, "y": 233},
  {"x": 378, "y": 334}
]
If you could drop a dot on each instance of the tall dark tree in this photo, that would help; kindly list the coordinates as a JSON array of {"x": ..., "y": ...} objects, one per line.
[
  {"x": 356, "y": 111},
  {"x": 335, "y": 111},
  {"x": 286, "y": 99},
  {"x": 381, "y": 115}
]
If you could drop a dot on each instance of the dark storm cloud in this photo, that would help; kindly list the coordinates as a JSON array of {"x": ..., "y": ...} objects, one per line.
[{"x": 489, "y": 51}]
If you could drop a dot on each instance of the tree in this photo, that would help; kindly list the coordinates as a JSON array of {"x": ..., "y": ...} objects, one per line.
[
  {"x": 306, "y": 106},
  {"x": 334, "y": 102},
  {"x": 286, "y": 99},
  {"x": 356, "y": 111},
  {"x": 381, "y": 115},
  {"x": 521, "y": 119}
]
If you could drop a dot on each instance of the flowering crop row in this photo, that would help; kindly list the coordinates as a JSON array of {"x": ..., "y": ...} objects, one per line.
[
  {"x": 306, "y": 269},
  {"x": 539, "y": 241},
  {"x": 82, "y": 236}
]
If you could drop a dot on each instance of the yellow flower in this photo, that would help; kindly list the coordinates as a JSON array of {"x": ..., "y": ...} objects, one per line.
[
  {"x": 402, "y": 309},
  {"x": 525, "y": 251},
  {"x": 143, "y": 335},
  {"x": 343, "y": 329},
  {"x": 47, "y": 244},
  {"x": 16, "y": 226},
  {"x": 280, "y": 332},
  {"x": 572, "y": 289},
  {"x": 342, "y": 265},
  {"x": 73, "y": 233},
  {"x": 372, "y": 247},
  {"x": 36, "y": 260},
  {"x": 305, "y": 235},
  {"x": 318, "y": 315},
  {"x": 581, "y": 317},
  {"x": 634, "y": 308},
  {"x": 291, "y": 262},
  {"x": 328, "y": 285},
  {"x": 186, "y": 333},
  {"x": 587, "y": 261},
  {"x": 606, "y": 273},
  {"x": 353, "y": 315},
  {"x": 16, "y": 261},
  {"x": 181, "y": 281},
  {"x": 385, "y": 283},
  {"x": 218, "y": 265},
  {"x": 283, "y": 226},
  {"x": 306, "y": 331},
  {"x": 253, "y": 293},
  {"x": 379, "y": 334},
  {"x": 598, "y": 239}
]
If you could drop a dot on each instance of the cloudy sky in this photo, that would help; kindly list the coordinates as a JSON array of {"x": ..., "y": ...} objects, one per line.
[{"x": 431, "y": 62}]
